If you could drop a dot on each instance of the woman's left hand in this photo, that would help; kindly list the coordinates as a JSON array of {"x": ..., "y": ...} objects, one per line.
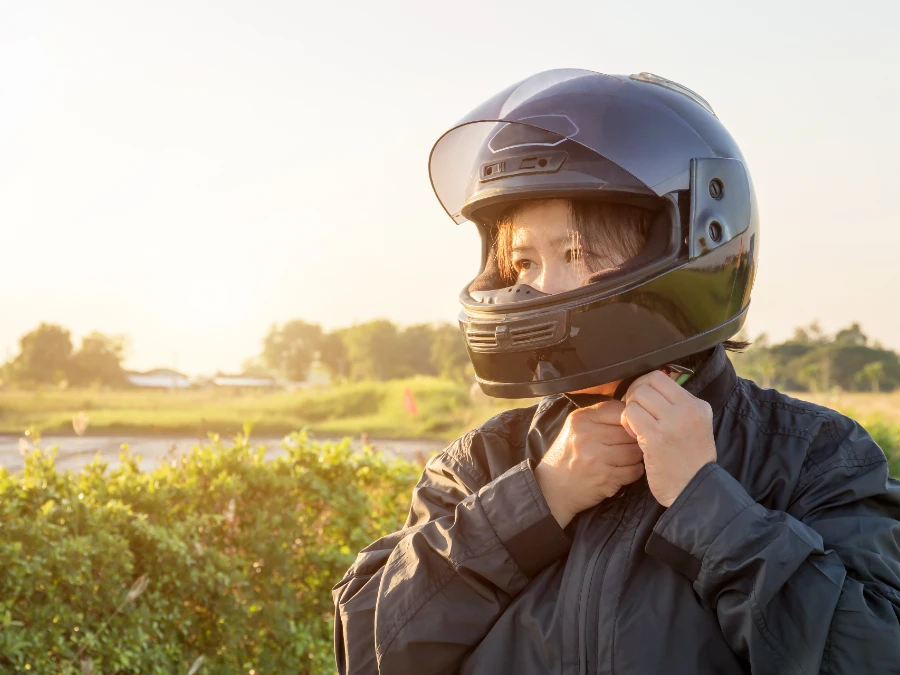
[{"x": 673, "y": 429}]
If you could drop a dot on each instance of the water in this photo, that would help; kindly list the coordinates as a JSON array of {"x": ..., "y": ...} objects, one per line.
[{"x": 76, "y": 451}]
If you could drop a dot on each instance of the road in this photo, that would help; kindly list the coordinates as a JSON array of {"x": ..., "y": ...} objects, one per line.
[{"x": 76, "y": 451}]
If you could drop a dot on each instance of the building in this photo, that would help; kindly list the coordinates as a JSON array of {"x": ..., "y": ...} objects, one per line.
[{"x": 159, "y": 378}]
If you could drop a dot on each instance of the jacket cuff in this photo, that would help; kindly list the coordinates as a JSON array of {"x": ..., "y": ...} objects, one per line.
[
  {"x": 708, "y": 503},
  {"x": 516, "y": 509}
]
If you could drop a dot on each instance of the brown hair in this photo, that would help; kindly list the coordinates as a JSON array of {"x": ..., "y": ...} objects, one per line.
[{"x": 611, "y": 234}]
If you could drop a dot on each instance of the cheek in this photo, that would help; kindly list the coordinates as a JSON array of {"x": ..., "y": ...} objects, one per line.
[{"x": 559, "y": 277}]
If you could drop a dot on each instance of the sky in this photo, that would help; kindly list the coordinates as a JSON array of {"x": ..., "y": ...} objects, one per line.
[{"x": 188, "y": 175}]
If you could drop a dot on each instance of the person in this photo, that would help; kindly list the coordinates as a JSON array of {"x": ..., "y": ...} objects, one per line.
[{"x": 653, "y": 512}]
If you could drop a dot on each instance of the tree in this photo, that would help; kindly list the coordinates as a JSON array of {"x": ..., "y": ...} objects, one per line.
[
  {"x": 333, "y": 353},
  {"x": 764, "y": 369},
  {"x": 44, "y": 355},
  {"x": 449, "y": 356},
  {"x": 99, "y": 360},
  {"x": 812, "y": 360},
  {"x": 851, "y": 336},
  {"x": 414, "y": 357},
  {"x": 811, "y": 334},
  {"x": 373, "y": 350},
  {"x": 290, "y": 349},
  {"x": 255, "y": 367},
  {"x": 873, "y": 373}
]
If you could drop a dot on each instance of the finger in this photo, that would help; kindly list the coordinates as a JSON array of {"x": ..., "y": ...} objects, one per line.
[
  {"x": 626, "y": 426},
  {"x": 609, "y": 434},
  {"x": 661, "y": 382},
  {"x": 605, "y": 412},
  {"x": 642, "y": 422},
  {"x": 628, "y": 474},
  {"x": 623, "y": 455},
  {"x": 650, "y": 399}
]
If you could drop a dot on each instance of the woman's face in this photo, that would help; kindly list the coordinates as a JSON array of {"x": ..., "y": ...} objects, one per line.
[
  {"x": 547, "y": 255},
  {"x": 546, "y": 252}
]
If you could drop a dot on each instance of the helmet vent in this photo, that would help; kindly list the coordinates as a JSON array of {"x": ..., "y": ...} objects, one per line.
[
  {"x": 493, "y": 169},
  {"x": 529, "y": 334},
  {"x": 495, "y": 337},
  {"x": 481, "y": 338}
]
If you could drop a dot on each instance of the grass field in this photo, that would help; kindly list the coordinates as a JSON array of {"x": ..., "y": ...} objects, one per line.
[
  {"x": 446, "y": 410},
  {"x": 860, "y": 406}
]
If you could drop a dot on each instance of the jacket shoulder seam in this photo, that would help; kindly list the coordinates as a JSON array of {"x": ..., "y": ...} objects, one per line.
[
  {"x": 516, "y": 415},
  {"x": 821, "y": 470},
  {"x": 767, "y": 430},
  {"x": 781, "y": 404}
]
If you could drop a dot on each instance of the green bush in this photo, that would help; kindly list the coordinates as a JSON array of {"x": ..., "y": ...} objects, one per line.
[
  {"x": 887, "y": 435},
  {"x": 218, "y": 554}
]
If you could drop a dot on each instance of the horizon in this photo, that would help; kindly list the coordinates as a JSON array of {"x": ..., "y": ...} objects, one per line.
[
  {"x": 241, "y": 371},
  {"x": 188, "y": 176}
]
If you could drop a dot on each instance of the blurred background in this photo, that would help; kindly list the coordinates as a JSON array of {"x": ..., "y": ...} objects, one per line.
[
  {"x": 213, "y": 215},
  {"x": 236, "y": 198}
]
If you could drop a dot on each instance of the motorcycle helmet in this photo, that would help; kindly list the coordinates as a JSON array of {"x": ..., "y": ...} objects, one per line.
[{"x": 642, "y": 141}]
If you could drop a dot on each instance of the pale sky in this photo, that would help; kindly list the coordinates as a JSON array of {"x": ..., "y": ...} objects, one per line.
[{"x": 188, "y": 174}]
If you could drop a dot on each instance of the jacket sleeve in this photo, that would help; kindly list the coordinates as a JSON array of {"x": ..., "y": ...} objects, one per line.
[
  {"x": 814, "y": 589},
  {"x": 431, "y": 592}
]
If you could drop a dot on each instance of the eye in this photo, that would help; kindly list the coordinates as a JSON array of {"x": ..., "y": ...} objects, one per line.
[{"x": 523, "y": 265}]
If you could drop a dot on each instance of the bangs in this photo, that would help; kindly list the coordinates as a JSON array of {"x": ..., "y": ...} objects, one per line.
[{"x": 607, "y": 235}]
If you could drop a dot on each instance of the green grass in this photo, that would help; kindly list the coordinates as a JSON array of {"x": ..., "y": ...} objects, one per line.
[{"x": 446, "y": 410}]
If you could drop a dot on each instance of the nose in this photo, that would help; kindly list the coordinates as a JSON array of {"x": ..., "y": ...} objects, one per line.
[{"x": 557, "y": 277}]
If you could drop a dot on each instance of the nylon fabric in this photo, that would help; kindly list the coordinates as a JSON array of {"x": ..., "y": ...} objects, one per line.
[{"x": 783, "y": 556}]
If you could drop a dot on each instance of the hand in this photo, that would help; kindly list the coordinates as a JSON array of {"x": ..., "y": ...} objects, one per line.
[
  {"x": 673, "y": 429},
  {"x": 590, "y": 460}
]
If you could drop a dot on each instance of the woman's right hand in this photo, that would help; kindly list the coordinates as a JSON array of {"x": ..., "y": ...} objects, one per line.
[{"x": 590, "y": 460}]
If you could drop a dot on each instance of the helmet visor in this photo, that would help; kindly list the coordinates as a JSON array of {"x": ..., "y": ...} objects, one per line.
[{"x": 557, "y": 113}]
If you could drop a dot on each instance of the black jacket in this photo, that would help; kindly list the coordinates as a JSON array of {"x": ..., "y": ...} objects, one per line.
[{"x": 781, "y": 557}]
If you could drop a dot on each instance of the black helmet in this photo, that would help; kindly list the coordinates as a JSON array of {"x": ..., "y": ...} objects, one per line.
[{"x": 640, "y": 140}]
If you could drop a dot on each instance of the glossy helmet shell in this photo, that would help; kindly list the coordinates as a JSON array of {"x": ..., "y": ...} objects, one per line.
[{"x": 637, "y": 139}]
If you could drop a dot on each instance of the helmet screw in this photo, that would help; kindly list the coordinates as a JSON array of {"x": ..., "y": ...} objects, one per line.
[
  {"x": 715, "y": 231},
  {"x": 716, "y": 188}
]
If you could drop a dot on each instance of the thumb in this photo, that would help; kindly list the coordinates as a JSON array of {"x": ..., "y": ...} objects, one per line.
[{"x": 623, "y": 419}]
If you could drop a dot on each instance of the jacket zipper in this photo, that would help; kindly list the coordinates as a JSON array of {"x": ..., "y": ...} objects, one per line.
[{"x": 585, "y": 591}]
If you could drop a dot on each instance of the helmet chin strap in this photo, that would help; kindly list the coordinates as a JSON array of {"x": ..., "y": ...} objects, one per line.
[
  {"x": 587, "y": 400},
  {"x": 679, "y": 373}
]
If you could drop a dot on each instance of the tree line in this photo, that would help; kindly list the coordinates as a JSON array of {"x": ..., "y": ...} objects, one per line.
[
  {"x": 374, "y": 350},
  {"x": 47, "y": 357},
  {"x": 810, "y": 360},
  {"x": 379, "y": 350}
]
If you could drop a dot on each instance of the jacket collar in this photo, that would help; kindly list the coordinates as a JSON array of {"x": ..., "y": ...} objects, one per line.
[{"x": 714, "y": 380}]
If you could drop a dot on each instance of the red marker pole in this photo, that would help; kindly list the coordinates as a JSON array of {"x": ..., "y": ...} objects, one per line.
[{"x": 409, "y": 402}]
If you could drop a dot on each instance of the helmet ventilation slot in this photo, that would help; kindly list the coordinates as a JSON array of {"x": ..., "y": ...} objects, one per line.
[
  {"x": 529, "y": 334},
  {"x": 498, "y": 337},
  {"x": 481, "y": 338}
]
